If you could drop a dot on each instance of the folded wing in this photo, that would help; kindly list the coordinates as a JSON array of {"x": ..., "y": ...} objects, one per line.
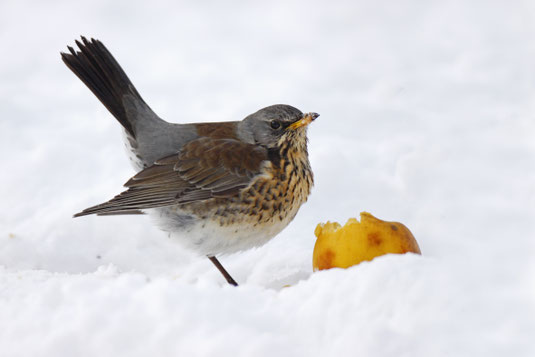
[{"x": 203, "y": 169}]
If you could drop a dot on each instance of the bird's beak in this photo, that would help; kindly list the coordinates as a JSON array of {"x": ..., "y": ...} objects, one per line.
[{"x": 304, "y": 121}]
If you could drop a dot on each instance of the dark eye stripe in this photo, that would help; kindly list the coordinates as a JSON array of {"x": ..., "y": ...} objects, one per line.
[
  {"x": 287, "y": 124},
  {"x": 284, "y": 124}
]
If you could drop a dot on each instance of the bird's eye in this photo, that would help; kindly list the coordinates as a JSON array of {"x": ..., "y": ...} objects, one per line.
[{"x": 275, "y": 124}]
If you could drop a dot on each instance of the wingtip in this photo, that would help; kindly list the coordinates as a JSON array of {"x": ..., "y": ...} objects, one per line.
[{"x": 85, "y": 212}]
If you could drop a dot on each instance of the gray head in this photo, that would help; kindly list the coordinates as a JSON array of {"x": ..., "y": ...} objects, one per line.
[{"x": 273, "y": 125}]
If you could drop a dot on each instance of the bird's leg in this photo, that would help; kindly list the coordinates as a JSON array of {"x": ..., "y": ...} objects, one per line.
[{"x": 222, "y": 270}]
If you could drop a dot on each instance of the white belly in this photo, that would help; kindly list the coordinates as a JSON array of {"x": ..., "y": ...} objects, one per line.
[{"x": 208, "y": 237}]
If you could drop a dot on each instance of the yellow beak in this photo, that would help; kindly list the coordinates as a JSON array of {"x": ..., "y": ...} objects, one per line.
[{"x": 304, "y": 121}]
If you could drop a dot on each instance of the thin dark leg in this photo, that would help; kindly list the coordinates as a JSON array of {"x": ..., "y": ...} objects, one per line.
[{"x": 222, "y": 271}]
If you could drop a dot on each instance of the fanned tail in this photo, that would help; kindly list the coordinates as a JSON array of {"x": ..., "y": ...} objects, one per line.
[{"x": 101, "y": 73}]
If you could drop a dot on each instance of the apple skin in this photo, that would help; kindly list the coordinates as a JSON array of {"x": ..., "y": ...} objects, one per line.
[{"x": 342, "y": 247}]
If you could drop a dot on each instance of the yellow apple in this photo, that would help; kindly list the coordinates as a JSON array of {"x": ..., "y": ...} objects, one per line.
[{"x": 342, "y": 247}]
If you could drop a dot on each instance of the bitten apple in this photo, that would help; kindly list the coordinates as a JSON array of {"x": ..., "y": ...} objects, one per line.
[{"x": 342, "y": 247}]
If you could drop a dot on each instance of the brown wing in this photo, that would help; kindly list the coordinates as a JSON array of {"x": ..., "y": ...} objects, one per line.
[{"x": 205, "y": 168}]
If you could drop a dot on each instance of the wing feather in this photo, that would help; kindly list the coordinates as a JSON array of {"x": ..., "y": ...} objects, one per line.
[{"x": 204, "y": 168}]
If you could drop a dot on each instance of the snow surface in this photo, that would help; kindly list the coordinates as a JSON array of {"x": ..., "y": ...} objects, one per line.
[{"x": 427, "y": 118}]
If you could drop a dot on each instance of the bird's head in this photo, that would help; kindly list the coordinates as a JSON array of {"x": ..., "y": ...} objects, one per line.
[{"x": 277, "y": 126}]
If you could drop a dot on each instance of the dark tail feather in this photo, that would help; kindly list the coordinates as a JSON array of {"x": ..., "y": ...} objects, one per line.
[{"x": 101, "y": 73}]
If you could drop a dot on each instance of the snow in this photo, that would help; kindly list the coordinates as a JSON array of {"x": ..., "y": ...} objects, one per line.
[{"x": 426, "y": 118}]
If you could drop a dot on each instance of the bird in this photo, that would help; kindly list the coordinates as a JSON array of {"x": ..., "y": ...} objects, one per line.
[{"x": 215, "y": 187}]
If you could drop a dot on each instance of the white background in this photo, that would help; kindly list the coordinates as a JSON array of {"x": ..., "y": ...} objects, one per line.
[{"x": 427, "y": 118}]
